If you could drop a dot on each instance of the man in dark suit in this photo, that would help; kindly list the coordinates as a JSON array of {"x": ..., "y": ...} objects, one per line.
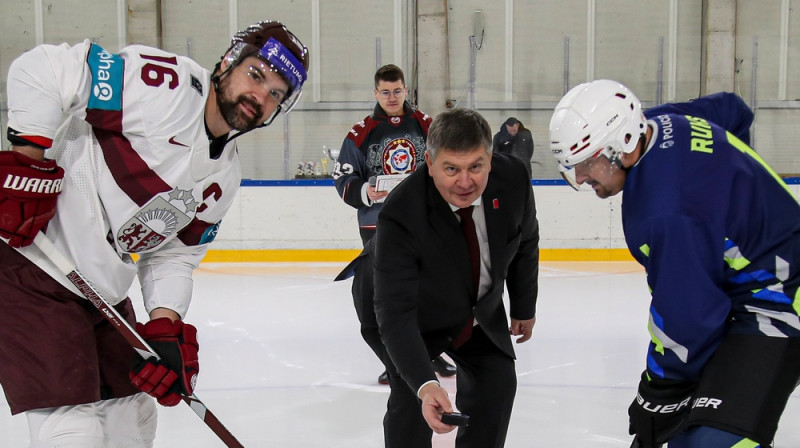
[{"x": 432, "y": 297}]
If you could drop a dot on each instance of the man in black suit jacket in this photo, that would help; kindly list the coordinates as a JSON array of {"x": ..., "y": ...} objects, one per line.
[{"x": 425, "y": 293}]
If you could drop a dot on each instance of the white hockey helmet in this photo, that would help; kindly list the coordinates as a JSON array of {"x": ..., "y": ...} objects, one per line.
[{"x": 601, "y": 117}]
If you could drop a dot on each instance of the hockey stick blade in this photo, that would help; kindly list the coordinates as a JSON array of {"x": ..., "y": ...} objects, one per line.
[{"x": 140, "y": 345}]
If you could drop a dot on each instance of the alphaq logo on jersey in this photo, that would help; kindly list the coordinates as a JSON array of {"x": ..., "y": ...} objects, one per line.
[{"x": 106, "y": 69}]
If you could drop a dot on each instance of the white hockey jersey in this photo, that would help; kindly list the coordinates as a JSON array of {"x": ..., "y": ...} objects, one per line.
[{"x": 139, "y": 176}]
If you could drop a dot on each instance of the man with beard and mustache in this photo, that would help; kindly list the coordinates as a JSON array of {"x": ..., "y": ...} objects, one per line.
[
  {"x": 145, "y": 163},
  {"x": 717, "y": 231}
]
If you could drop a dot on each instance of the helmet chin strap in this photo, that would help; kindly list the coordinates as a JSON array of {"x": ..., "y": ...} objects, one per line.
[
  {"x": 262, "y": 125},
  {"x": 616, "y": 159},
  {"x": 215, "y": 78}
]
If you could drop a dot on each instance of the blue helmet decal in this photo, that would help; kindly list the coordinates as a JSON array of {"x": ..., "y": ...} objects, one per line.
[{"x": 285, "y": 61}]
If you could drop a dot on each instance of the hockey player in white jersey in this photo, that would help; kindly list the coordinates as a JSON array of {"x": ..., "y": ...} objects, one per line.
[{"x": 145, "y": 163}]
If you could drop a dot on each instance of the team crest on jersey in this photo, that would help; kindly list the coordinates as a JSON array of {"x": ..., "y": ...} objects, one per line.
[
  {"x": 157, "y": 220},
  {"x": 399, "y": 156}
]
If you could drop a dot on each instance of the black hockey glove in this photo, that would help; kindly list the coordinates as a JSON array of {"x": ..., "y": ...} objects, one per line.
[{"x": 659, "y": 410}]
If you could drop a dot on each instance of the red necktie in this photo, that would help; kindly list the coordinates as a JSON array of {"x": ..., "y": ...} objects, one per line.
[{"x": 468, "y": 226}]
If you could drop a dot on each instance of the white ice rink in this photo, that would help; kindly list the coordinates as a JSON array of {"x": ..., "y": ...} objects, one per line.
[{"x": 283, "y": 365}]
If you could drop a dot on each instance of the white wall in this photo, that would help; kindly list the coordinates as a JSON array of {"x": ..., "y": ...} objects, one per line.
[
  {"x": 314, "y": 217},
  {"x": 530, "y": 51}
]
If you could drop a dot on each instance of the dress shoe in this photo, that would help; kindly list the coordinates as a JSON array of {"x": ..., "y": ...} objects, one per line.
[{"x": 383, "y": 378}]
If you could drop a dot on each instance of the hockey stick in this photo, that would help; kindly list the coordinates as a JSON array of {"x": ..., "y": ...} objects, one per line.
[{"x": 140, "y": 345}]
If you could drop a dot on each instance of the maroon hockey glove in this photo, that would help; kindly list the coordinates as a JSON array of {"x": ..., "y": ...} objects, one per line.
[
  {"x": 28, "y": 195},
  {"x": 176, "y": 372}
]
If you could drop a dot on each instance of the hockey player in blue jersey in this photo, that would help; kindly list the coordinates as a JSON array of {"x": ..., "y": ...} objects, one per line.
[{"x": 718, "y": 232}]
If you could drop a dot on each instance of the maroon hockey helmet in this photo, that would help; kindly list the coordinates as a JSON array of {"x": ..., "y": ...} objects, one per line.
[{"x": 274, "y": 44}]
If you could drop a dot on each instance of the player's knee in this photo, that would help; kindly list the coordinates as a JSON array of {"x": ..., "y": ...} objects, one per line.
[
  {"x": 65, "y": 427},
  {"x": 129, "y": 422}
]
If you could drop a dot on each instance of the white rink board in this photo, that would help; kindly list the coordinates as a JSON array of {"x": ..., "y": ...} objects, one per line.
[{"x": 314, "y": 217}]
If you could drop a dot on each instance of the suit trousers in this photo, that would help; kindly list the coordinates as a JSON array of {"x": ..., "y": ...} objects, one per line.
[
  {"x": 363, "y": 291},
  {"x": 486, "y": 383}
]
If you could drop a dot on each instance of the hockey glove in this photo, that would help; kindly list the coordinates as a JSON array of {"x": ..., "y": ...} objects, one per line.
[
  {"x": 659, "y": 410},
  {"x": 28, "y": 196},
  {"x": 176, "y": 372}
]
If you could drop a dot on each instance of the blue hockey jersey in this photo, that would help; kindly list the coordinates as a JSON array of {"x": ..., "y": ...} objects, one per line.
[{"x": 718, "y": 233}]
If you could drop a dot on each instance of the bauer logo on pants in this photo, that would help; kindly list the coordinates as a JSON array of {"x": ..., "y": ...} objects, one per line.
[{"x": 152, "y": 225}]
